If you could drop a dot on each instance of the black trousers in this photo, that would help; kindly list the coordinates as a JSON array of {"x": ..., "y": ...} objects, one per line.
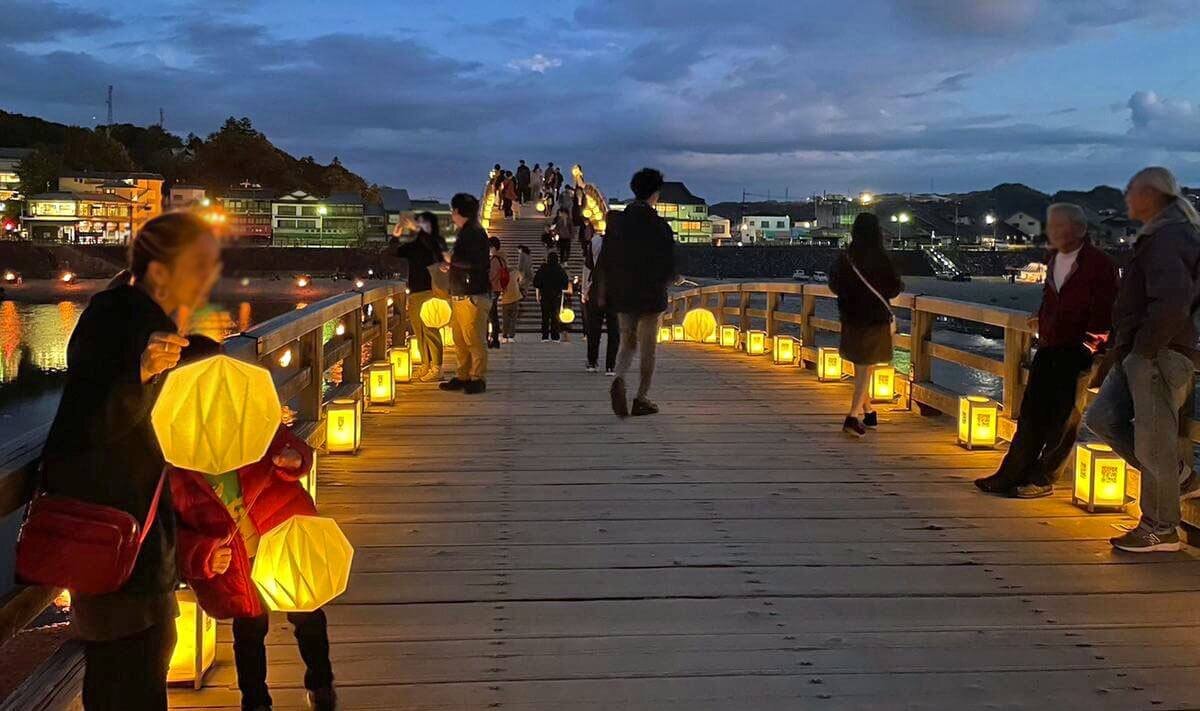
[
  {"x": 564, "y": 250},
  {"x": 595, "y": 321},
  {"x": 250, "y": 654},
  {"x": 507, "y": 205},
  {"x": 551, "y": 303},
  {"x": 1050, "y": 413},
  {"x": 129, "y": 674},
  {"x": 494, "y": 319}
]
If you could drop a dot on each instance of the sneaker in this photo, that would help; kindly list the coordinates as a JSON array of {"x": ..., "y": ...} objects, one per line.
[
  {"x": 545, "y": 340},
  {"x": 1189, "y": 488},
  {"x": 643, "y": 407},
  {"x": 420, "y": 373},
  {"x": 1139, "y": 540},
  {"x": 322, "y": 699},
  {"x": 620, "y": 405},
  {"x": 871, "y": 420},
  {"x": 432, "y": 375},
  {"x": 996, "y": 484},
  {"x": 853, "y": 427},
  {"x": 453, "y": 384},
  {"x": 474, "y": 387},
  {"x": 611, "y": 373},
  {"x": 1032, "y": 491},
  {"x": 592, "y": 369}
]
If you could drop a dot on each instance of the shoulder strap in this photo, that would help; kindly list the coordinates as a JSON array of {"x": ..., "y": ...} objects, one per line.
[
  {"x": 153, "y": 508},
  {"x": 887, "y": 305}
]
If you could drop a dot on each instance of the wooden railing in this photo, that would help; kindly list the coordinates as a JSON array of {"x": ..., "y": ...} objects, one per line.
[{"x": 294, "y": 348}]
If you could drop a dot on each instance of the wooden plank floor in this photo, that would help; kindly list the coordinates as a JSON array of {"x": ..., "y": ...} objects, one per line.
[{"x": 525, "y": 550}]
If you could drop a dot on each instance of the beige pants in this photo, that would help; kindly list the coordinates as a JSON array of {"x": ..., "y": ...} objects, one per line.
[
  {"x": 429, "y": 340},
  {"x": 469, "y": 322}
]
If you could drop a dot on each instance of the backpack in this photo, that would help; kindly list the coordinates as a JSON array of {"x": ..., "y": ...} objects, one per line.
[{"x": 502, "y": 275}]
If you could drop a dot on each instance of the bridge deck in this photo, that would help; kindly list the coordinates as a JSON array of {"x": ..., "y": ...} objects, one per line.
[{"x": 525, "y": 550}]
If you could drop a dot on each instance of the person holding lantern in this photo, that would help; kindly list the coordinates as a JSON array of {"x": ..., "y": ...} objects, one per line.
[
  {"x": 423, "y": 251},
  {"x": 470, "y": 286},
  {"x": 550, "y": 282}
]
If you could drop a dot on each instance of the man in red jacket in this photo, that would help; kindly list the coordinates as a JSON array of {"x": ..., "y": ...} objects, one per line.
[{"x": 1073, "y": 322}]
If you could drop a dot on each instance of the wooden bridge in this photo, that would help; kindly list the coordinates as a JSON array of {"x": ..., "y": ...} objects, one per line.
[{"x": 526, "y": 550}]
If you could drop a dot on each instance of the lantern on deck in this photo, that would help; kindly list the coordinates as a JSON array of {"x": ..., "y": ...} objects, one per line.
[
  {"x": 381, "y": 383},
  {"x": 343, "y": 425},
  {"x": 729, "y": 336},
  {"x": 435, "y": 313},
  {"x": 302, "y": 564},
  {"x": 1099, "y": 477},
  {"x": 883, "y": 383},
  {"x": 756, "y": 342},
  {"x": 784, "y": 351},
  {"x": 677, "y": 332},
  {"x": 700, "y": 325},
  {"x": 216, "y": 415},
  {"x": 414, "y": 350},
  {"x": 566, "y": 315},
  {"x": 829, "y": 364},
  {"x": 195, "y": 643},
  {"x": 401, "y": 360},
  {"x": 977, "y": 420},
  {"x": 664, "y": 334}
]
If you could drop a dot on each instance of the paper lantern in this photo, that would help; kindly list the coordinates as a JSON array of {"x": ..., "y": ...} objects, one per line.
[
  {"x": 309, "y": 480},
  {"x": 1099, "y": 477},
  {"x": 343, "y": 425},
  {"x": 756, "y": 342},
  {"x": 664, "y": 334},
  {"x": 566, "y": 315},
  {"x": 447, "y": 336},
  {"x": 784, "y": 351},
  {"x": 216, "y": 415},
  {"x": 699, "y": 325},
  {"x": 414, "y": 350},
  {"x": 729, "y": 336},
  {"x": 401, "y": 359},
  {"x": 302, "y": 564},
  {"x": 541, "y": 206},
  {"x": 195, "y": 643},
  {"x": 677, "y": 333},
  {"x": 829, "y": 364},
  {"x": 883, "y": 384},
  {"x": 381, "y": 383},
  {"x": 435, "y": 313},
  {"x": 977, "y": 421}
]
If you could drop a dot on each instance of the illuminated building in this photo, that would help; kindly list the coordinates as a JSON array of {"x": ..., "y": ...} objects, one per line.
[
  {"x": 143, "y": 190},
  {"x": 686, "y": 213},
  {"x": 299, "y": 219},
  {"x": 78, "y": 218},
  {"x": 248, "y": 207}
]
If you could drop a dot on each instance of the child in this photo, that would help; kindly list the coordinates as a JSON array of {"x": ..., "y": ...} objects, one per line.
[{"x": 220, "y": 519}]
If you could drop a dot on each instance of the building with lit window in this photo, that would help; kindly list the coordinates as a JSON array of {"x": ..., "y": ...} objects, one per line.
[
  {"x": 299, "y": 219},
  {"x": 766, "y": 228},
  {"x": 143, "y": 190},
  {"x": 686, "y": 213},
  {"x": 10, "y": 184},
  {"x": 248, "y": 213},
  {"x": 185, "y": 195},
  {"x": 721, "y": 229},
  {"x": 78, "y": 218}
]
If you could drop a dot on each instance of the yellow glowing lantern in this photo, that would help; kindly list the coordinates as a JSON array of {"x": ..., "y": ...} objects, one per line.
[
  {"x": 447, "y": 336},
  {"x": 883, "y": 384},
  {"x": 784, "y": 352},
  {"x": 195, "y": 644},
  {"x": 343, "y": 425},
  {"x": 977, "y": 420},
  {"x": 699, "y": 325},
  {"x": 729, "y": 336},
  {"x": 216, "y": 415},
  {"x": 309, "y": 480},
  {"x": 381, "y": 383},
  {"x": 664, "y": 334},
  {"x": 1099, "y": 477},
  {"x": 414, "y": 350},
  {"x": 566, "y": 315},
  {"x": 829, "y": 364},
  {"x": 541, "y": 206},
  {"x": 435, "y": 313},
  {"x": 401, "y": 359},
  {"x": 302, "y": 564},
  {"x": 677, "y": 332},
  {"x": 756, "y": 342}
]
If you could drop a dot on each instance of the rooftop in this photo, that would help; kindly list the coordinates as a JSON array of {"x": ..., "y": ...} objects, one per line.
[
  {"x": 676, "y": 193},
  {"x": 395, "y": 199},
  {"x": 83, "y": 197},
  {"x": 96, "y": 175}
]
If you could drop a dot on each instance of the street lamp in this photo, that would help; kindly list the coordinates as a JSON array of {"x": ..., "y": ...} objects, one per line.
[
  {"x": 900, "y": 220},
  {"x": 866, "y": 198},
  {"x": 991, "y": 220}
]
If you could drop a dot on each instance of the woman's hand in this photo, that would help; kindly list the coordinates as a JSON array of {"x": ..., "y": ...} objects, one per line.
[
  {"x": 288, "y": 459},
  {"x": 161, "y": 354},
  {"x": 220, "y": 559}
]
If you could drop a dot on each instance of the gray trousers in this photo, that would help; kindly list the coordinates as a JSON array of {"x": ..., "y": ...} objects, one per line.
[
  {"x": 639, "y": 332},
  {"x": 1137, "y": 414}
]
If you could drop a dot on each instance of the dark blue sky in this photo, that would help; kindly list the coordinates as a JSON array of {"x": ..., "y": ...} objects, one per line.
[{"x": 896, "y": 95}]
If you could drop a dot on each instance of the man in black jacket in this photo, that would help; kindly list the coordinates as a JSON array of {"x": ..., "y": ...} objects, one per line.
[
  {"x": 636, "y": 266},
  {"x": 470, "y": 296},
  {"x": 523, "y": 177}
]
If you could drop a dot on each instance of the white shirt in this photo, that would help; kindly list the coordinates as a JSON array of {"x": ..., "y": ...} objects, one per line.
[{"x": 1064, "y": 262}]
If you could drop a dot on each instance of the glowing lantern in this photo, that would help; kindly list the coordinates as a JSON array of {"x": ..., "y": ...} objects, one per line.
[
  {"x": 664, "y": 334},
  {"x": 977, "y": 417},
  {"x": 216, "y": 415},
  {"x": 245, "y": 281},
  {"x": 566, "y": 315},
  {"x": 677, "y": 332},
  {"x": 358, "y": 283},
  {"x": 883, "y": 384},
  {"x": 401, "y": 359},
  {"x": 195, "y": 644},
  {"x": 1099, "y": 477},
  {"x": 381, "y": 383},
  {"x": 68, "y": 277},
  {"x": 435, "y": 313},
  {"x": 829, "y": 365},
  {"x": 447, "y": 336},
  {"x": 309, "y": 480},
  {"x": 756, "y": 342},
  {"x": 784, "y": 352},
  {"x": 729, "y": 336},
  {"x": 302, "y": 564},
  {"x": 414, "y": 350},
  {"x": 343, "y": 425},
  {"x": 541, "y": 206},
  {"x": 699, "y": 325},
  {"x": 302, "y": 282}
]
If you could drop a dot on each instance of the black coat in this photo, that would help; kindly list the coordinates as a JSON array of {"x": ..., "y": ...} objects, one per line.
[
  {"x": 637, "y": 264},
  {"x": 551, "y": 279},
  {"x": 470, "y": 262},
  {"x": 523, "y": 175},
  {"x": 421, "y": 253},
  {"x": 856, "y": 304}
]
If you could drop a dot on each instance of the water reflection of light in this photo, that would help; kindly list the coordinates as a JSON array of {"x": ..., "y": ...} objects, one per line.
[
  {"x": 10, "y": 342},
  {"x": 244, "y": 316}
]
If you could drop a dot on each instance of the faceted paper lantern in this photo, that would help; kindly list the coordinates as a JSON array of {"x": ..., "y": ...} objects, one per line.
[
  {"x": 756, "y": 342},
  {"x": 566, "y": 315},
  {"x": 664, "y": 334},
  {"x": 883, "y": 384},
  {"x": 1099, "y": 477},
  {"x": 784, "y": 352},
  {"x": 729, "y": 336},
  {"x": 216, "y": 415},
  {"x": 343, "y": 425},
  {"x": 302, "y": 564},
  {"x": 195, "y": 643},
  {"x": 401, "y": 359},
  {"x": 414, "y": 350},
  {"x": 977, "y": 417},
  {"x": 381, "y": 383},
  {"x": 447, "y": 336},
  {"x": 435, "y": 313},
  {"x": 699, "y": 325},
  {"x": 829, "y": 365},
  {"x": 677, "y": 333}
]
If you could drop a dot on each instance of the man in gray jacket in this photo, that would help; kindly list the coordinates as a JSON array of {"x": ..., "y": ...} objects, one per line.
[{"x": 1154, "y": 328}]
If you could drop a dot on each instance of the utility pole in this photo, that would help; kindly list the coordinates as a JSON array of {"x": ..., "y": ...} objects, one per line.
[
  {"x": 162, "y": 121},
  {"x": 108, "y": 103}
]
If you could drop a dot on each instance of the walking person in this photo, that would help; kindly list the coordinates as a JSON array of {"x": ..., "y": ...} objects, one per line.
[
  {"x": 564, "y": 232},
  {"x": 499, "y": 279},
  {"x": 864, "y": 280},
  {"x": 508, "y": 195},
  {"x": 597, "y": 320},
  {"x": 636, "y": 267},
  {"x": 426, "y": 249},
  {"x": 1072, "y": 322},
  {"x": 548, "y": 180},
  {"x": 550, "y": 282},
  {"x": 523, "y": 177},
  {"x": 1153, "y": 358},
  {"x": 470, "y": 296},
  {"x": 536, "y": 182},
  {"x": 510, "y": 305},
  {"x": 525, "y": 264},
  {"x": 102, "y": 449}
]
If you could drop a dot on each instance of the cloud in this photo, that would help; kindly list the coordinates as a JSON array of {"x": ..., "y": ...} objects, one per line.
[
  {"x": 29, "y": 21},
  {"x": 537, "y": 63},
  {"x": 949, "y": 85}
]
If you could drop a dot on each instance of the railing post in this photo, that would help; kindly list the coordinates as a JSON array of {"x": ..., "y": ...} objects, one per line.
[
  {"x": 743, "y": 317},
  {"x": 1016, "y": 349},
  {"x": 921, "y": 326},
  {"x": 772, "y": 304},
  {"x": 808, "y": 307},
  {"x": 352, "y": 371},
  {"x": 310, "y": 400},
  {"x": 720, "y": 309},
  {"x": 399, "y": 322},
  {"x": 379, "y": 345}
]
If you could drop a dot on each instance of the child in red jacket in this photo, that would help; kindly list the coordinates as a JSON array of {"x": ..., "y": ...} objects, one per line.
[{"x": 220, "y": 519}]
